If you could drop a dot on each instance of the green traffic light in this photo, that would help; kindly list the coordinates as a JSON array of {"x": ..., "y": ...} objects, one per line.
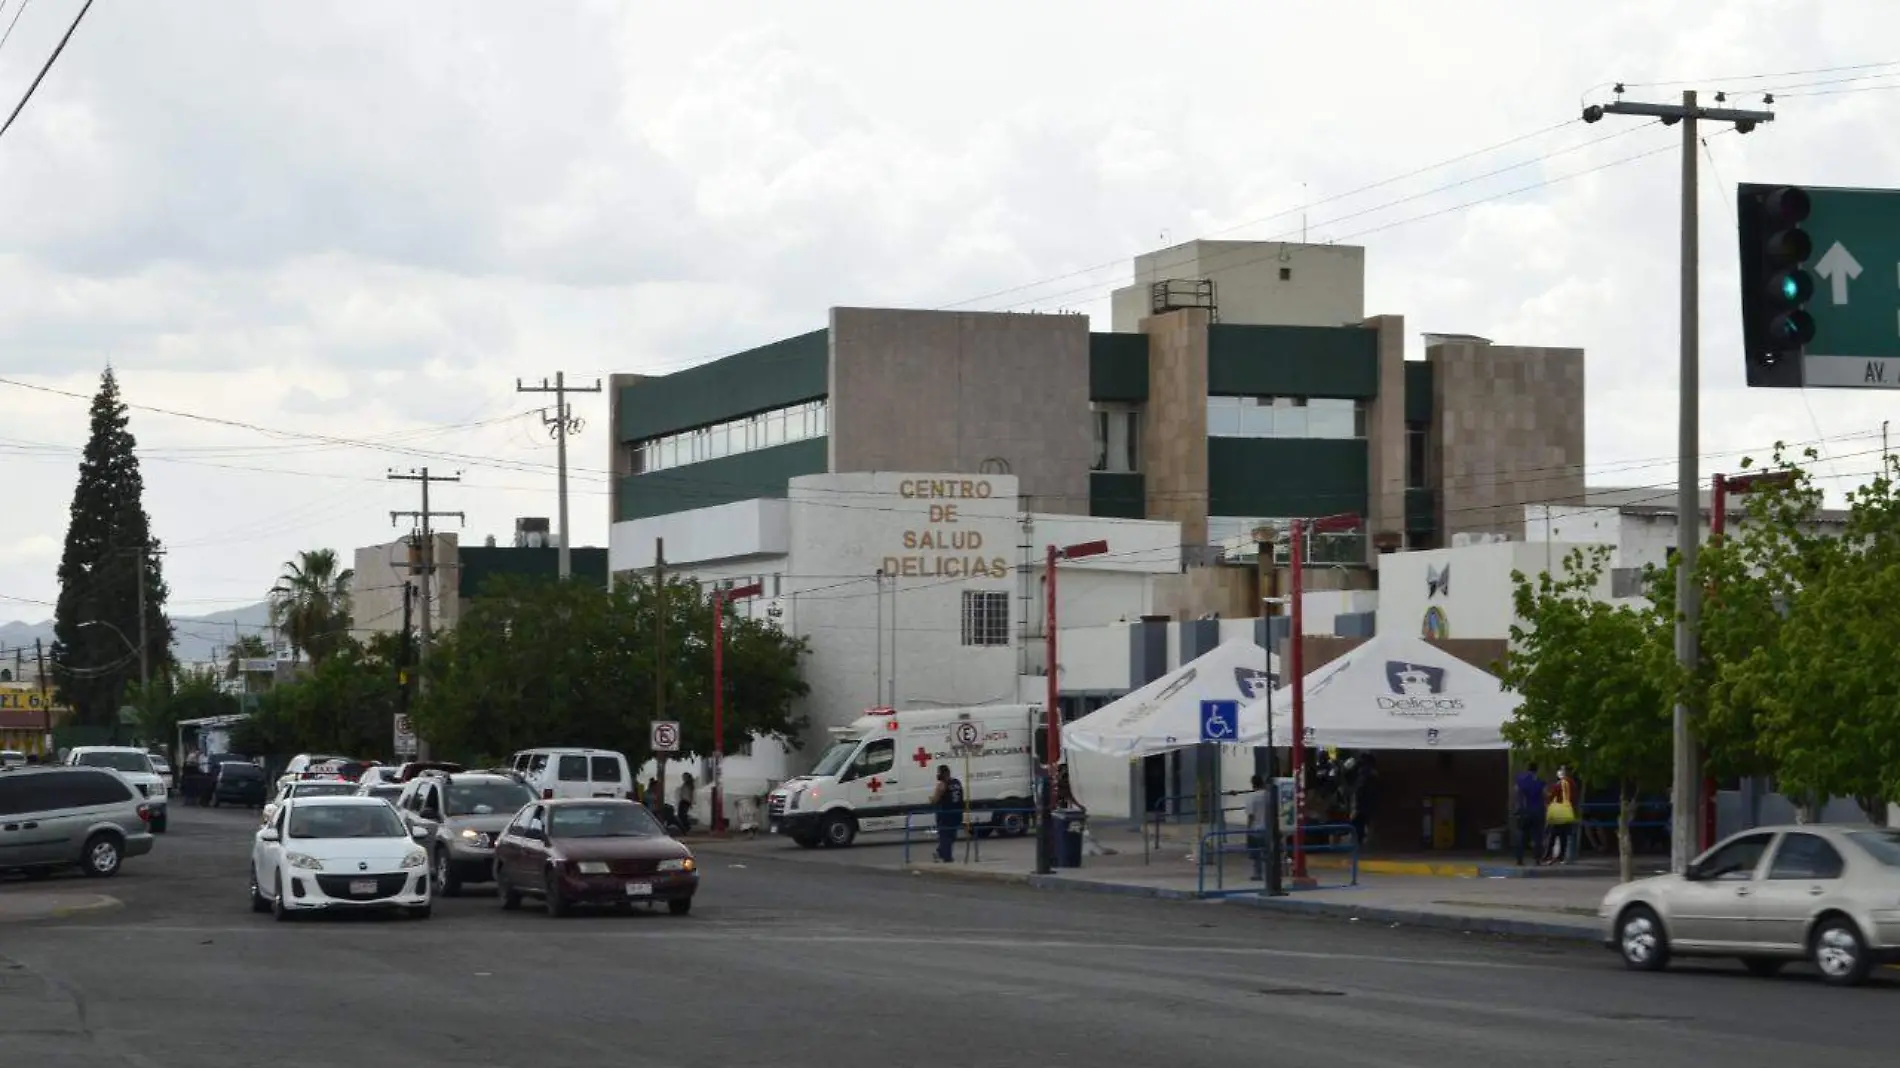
[{"x": 1793, "y": 287}]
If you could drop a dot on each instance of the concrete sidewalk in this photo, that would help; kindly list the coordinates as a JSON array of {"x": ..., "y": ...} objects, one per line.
[
  {"x": 24, "y": 906},
  {"x": 1563, "y": 908}
]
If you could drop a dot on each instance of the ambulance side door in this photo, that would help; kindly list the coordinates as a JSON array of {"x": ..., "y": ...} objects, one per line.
[{"x": 871, "y": 782}]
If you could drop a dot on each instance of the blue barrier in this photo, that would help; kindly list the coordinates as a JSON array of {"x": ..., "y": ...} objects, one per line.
[{"x": 1219, "y": 852}]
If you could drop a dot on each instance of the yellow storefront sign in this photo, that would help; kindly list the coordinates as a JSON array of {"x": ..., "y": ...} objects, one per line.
[{"x": 25, "y": 701}]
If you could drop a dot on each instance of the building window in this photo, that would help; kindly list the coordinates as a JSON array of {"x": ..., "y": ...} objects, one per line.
[
  {"x": 1231, "y": 532},
  {"x": 985, "y": 617},
  {"x": 781, "y": 426},
  {"x": 1415, "y": 443},
  {"x": 1286, "y": 417},
  {"x": 1117, "y": 440},
  {"x": 1286, "y": 274}
]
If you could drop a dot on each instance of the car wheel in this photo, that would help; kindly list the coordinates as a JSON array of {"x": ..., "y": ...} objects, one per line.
[
  {"x": 680, "y": 906},
  {"x": 102, "y": 856},
  {"x": 1641, "y": 941},
  {"x": 278, "y": 910},
  {"x": 551, "y": 896},
  {"x": 1763, "y": 967},
  {"x": 259, "y": 903},
  {"x": 840, "y": 831},
  {"x": 445, "y": 879},
  {"x": 1012, "y": 824},
  {"x": 1840, "y": 952}
]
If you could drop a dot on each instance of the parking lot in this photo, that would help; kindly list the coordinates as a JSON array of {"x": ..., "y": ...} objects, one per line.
[{"x": 797, "y": 964}]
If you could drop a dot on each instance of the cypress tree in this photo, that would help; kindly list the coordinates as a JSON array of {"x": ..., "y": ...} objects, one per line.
[{"x": 109, "y": 551}]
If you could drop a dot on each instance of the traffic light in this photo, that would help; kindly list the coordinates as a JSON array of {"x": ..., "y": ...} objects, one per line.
[{"x": 1776, "y": 286}]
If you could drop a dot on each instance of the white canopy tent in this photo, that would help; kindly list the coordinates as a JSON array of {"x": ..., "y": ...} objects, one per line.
[
  {"x": 1165, "y": 715},
  {"x": 1396, "y": 692}
]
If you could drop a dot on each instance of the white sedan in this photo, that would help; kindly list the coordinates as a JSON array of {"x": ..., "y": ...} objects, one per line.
[
  {"x": 289, "y": 788},
  {"x": 338, "y": 853}
]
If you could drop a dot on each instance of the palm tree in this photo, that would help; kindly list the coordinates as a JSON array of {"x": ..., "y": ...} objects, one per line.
[
  {"x": 310, "y": 605},
  {"x": 247, "y": 647}
]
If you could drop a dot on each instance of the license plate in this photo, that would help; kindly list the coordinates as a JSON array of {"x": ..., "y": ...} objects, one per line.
[
  {"x": 639, "y": 889},
  {"x": 363, "y": 888}
]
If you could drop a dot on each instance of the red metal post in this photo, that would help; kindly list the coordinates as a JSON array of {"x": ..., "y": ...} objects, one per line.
[
  {"x": 1297, "y": 672},
  {"x": 719, "y": 709},
  {"x": 1052, "y": 721}
]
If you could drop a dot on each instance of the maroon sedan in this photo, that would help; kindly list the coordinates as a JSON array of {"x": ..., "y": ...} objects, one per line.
[{"x": 592, "y": 851}]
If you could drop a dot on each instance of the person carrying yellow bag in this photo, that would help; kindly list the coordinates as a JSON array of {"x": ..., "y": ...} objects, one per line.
[{"x": 1561, "y": 817}]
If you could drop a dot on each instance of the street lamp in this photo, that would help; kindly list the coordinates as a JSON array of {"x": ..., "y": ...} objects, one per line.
[
  {"x": 1718, "y": 525},
  {"x": 1269, "y": 610},
  {"x": 1331, "y": 524},
  {"x": 1045, "y": 797},
  {"x": 721, "y": 598},
  {"x": 129, "y": 646}
]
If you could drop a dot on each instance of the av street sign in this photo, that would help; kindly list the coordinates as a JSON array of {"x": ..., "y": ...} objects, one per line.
[{"x": 1856, "y": 304}]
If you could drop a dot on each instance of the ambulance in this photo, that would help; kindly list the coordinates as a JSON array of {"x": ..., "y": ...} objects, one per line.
[{"x": 879, "y": 773}]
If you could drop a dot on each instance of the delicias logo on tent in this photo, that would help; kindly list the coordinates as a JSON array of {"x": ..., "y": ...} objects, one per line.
[
  {"x": 1252, "y": 682},
  {"x": 1417, "y": 690}
]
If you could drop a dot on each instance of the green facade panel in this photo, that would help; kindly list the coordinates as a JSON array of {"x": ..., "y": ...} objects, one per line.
[
  {"x": 1292, "y": 361},
  {"x": 1421, "y": 511},
  {"x": 481, "y": 564},
  {"x": 1418, "y": 391},
  {"x": 772, "y": 376},
  {"x": 1115, "y": 495},
  {"x": 1118, "y": 368},
  {"x": 760, "y": 473},
  {"x": 1286, "y": 478}
]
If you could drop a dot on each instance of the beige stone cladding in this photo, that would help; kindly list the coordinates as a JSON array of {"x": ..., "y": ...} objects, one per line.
[
  {"x": 1385, "y": 436},
  {"x": 1174, "y": 437},
  {"x": 1507, "y": 429},
  {"x": 914, "y": 390}
]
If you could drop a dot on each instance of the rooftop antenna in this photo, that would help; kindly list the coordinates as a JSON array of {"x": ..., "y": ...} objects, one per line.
[{"x": 1303, "y": 203}]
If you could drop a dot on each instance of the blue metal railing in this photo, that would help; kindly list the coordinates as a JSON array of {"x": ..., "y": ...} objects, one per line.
[
  {"x": 1219, "y": 853},
  {"x": 967, "y": 831}
]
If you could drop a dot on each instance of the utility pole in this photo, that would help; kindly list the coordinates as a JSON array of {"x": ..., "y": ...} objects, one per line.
[
  {"x": 402, "y": 657},
  {"x": 145, "y": 552},
  {"x": 46, "y": 704},
  {"x": 560, "y": 425},
  {"x": 424, "y": 521},
  {"x": 659, "y": 652},
  {"x": 1686, "y": 779}
]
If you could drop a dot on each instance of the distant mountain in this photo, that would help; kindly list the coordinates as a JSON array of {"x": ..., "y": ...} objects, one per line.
[{"x": 195, "y": 639}]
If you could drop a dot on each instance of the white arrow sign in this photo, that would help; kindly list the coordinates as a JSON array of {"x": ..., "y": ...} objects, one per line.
[{"x": 1839, "y": 267}]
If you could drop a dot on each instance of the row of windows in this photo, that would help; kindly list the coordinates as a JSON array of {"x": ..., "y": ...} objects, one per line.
[
  {"x": 1286, "y": 417},
  {"x": 781, "y": 426},
  {"x": 1347, "y": 548}
]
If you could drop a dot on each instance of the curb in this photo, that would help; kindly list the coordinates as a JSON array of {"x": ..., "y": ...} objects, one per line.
[{"x": 84, "y": 903}]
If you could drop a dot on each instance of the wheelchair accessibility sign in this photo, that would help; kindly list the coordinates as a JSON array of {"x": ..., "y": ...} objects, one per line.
[{"x": 1220, "y": 721}]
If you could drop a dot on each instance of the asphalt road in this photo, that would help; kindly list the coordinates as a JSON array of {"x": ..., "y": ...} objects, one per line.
[{"x": 792, "y": 965}]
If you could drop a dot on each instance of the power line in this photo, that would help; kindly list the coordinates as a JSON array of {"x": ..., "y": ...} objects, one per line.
[
  {"x": 50, "y": 60},
  {"x": 17, "y": 12}
]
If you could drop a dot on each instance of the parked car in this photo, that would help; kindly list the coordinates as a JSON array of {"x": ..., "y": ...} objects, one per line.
[
  {"x": 462, "y": 814},
  {"x": 338, "y": 853},
  {"x": 54, "y": 817},
  {"x": 135, "y": 765},
  {"x": 239, "y": 782},
  {"x": 163, "y": 769},
  {"x": 11, "y": 758},
  {"x": 592, "y": 851},
  {"x": 1827, "y": 893},
  {"x": 552, "y": 773}
]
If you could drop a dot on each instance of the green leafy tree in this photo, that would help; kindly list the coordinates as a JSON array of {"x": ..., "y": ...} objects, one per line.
[
  {"x": 537, "y": 663},
  {"x": 188, "y": 695},
  {"x": 310, "y": 604},
  {"x": 1593, "y": 686},
  {"x": 109, "y": 553},
  {"x": 346, "y": 703},
  {"x": 247, "y": 647}
]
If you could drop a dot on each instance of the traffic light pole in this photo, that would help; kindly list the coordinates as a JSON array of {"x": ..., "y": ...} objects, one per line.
[{"x": 1686, "y": 777}]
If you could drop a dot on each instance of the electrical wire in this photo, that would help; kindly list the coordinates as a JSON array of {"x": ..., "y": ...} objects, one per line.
[
  {"x": 50, "y": 60},
  {"x": 17, "y": 12}
]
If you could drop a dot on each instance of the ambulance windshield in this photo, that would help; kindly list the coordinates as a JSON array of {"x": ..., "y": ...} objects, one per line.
[{"x": 835, "y": 759}]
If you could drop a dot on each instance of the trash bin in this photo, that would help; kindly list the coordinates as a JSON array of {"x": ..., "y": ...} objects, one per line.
[{"x": 1068, "y": 824}]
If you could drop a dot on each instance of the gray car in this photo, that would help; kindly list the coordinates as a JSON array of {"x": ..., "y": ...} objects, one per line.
[
  {"x": 465, "y": 812},
  {"x": 61, "y": 817},
  {"x": 1826, "y": 893}
]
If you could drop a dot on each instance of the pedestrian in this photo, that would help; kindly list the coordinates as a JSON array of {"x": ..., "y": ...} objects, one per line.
[
  {"x": 1365, "y": 796},
  {"x": 683, "y": 810},
  {"x": 1257, "y": 828},
  {"x": 1560, "y": 814},
  {"x": 1530, "y": 814},
  {"x": 948, "y": 801}
]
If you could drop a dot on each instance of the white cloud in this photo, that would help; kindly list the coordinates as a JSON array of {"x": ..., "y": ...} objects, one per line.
[{"x": 361, "y": 220}]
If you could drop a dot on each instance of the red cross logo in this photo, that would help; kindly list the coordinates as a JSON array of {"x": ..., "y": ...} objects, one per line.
[
  {"x": 922, "y": 757},
  {"x": 875, "y": 784}
]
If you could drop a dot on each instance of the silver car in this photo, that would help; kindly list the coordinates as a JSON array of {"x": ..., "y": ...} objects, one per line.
[
  {"x": 462, "y": 814},
  {"x": 61, "y": 817},
  {"x": 1826, "y": 893}
]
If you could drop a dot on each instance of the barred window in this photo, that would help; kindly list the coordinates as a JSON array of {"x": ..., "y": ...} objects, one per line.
[{"x": 985, "y": 617}]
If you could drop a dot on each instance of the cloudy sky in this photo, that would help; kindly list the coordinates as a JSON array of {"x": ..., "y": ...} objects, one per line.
[{"x": 358, "y": 222}]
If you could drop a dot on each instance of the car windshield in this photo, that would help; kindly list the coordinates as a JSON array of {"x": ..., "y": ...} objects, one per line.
[
  {"x": 323, "y": 789},
  {"x": 602, "y": 821},
  {"x": 1883, "y": 846},
  {"x": 835, "y": 758},
  {"x": 387, "y": 793},
  {"x": 500, "y": 797},
  {"x": 240, "y": 771},
  {"x": 116, "y": 761},
  {"x": 345, "y": 821}
]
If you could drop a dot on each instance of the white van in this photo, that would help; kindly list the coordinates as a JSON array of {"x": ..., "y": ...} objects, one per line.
[
  {"x": 883, "y": 768},
  {"x": 135, "y": 765},
  {"x": 553, "y": 773}
]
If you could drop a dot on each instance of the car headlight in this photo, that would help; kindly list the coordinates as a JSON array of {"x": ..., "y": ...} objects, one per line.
[
  {"x": 416, "y": 859},
  {"x": 591, "y": 867},
  {"x": 303, "y": 860},
  {"x": 478, "y": 839},
  {"x": 678, "y": 864}
]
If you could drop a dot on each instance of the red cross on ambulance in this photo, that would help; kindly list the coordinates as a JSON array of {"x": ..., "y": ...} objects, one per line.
[{"x": 922, "y": 757}]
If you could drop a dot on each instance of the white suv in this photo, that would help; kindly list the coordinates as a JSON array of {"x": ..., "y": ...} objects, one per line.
[{"x": 136, "y": 766}]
